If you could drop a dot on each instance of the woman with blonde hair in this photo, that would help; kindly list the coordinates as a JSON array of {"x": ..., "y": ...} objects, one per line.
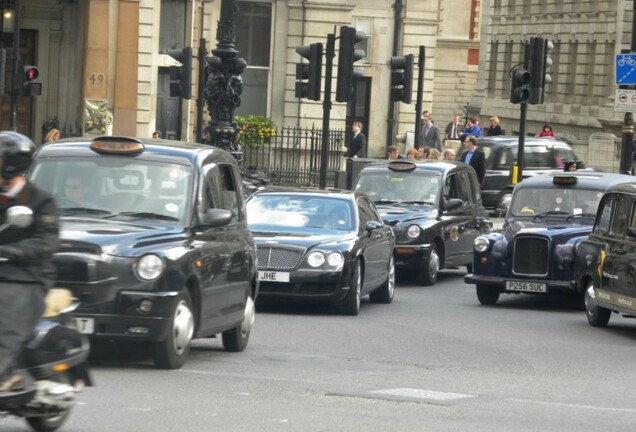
[
  {"x": 52, "y": 135},
  {"x": 494, "y": 128},
  {"x": 434, "y": 154}
]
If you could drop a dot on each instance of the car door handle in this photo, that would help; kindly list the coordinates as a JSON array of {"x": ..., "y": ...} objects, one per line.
[{"x": 377, "y": 236}]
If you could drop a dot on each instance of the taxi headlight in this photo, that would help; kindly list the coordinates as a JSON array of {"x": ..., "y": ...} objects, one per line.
[
  {"x": 335, "y": 259},
  {"x": 413, "y": 232},
  {"x": 481, "y": 244},
  {"x": 149, "y": 267},
  {"x": 316, "y": 259}
]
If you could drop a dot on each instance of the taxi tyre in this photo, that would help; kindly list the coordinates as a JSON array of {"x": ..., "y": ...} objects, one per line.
[
  {"x": 384, "y": 294},
  {"x": 487, "y": 295},
  {"x": 52, "y": 422},
  {"x": 236, "y": 339},
  {"x": 351, "y": 303},
  {"x": 597, "y": 316},
  {"x": 172, "y": 352},
  {"x": 428, "y": 272}
]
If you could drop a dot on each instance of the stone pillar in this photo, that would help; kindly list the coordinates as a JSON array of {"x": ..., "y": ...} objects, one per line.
[{"x": 126, "y": 76}]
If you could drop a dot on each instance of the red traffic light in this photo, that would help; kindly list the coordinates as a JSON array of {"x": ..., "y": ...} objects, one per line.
[{"x": 31, "y": 73}]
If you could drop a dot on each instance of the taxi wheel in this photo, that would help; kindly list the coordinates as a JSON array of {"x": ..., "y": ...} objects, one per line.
[
  {"x": 172, "y": 352},
  {"x": 428, "y": 273},
  {"x": 597, "y": 316},
  {"x": 351, "y": 303},
  {"x": 487, "y": 295},
  {"x": 384, "y": 294},
  {"x": 236, "y": 340}
]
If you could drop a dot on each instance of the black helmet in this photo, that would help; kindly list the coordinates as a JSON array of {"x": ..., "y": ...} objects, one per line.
[{"x": 16, "y": 151}]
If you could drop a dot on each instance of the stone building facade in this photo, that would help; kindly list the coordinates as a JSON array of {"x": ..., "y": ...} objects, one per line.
[
  {"x": 579, "y": 103},
  {"x": 104, "y": 67}
]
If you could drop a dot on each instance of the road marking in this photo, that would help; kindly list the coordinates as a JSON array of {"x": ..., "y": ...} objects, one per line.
[
  {"x": 570, "y": 405},
  {"x": 421, "y": 394}
]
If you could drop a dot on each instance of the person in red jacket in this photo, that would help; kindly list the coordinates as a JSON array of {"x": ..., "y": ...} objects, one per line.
[{"x": 546, "y": 131}]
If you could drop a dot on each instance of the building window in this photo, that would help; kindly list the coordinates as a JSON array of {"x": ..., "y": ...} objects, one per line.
[
  {"x": 172, "y": 24},
  {"x": 492, "y": 71},
  {"x": 253, "y": 42}
]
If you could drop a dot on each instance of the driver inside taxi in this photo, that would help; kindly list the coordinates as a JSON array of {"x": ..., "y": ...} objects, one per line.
[{"x": 75, "y": 190}]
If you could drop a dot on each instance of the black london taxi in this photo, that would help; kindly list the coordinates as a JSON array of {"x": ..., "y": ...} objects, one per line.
[
  {"x": 541, "y": 155},
  {"x": 434, "y": 208},
  {"x": 153, "y": 241},
  {"x": 535, "y": 252},
  {"x": 606, "y": 260}
]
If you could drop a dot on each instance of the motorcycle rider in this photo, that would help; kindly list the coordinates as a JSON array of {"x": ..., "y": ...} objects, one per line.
[{"x": 28, "y": 271}]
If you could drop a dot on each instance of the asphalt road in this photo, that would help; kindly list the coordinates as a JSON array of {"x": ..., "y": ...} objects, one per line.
[{"x": 433, "y": 360}]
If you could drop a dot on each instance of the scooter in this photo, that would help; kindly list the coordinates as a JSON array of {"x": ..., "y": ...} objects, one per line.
[{"x": 54, "y": 359}]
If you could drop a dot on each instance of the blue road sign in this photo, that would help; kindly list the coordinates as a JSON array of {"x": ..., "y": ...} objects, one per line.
[{"x": 625, "y": 69}]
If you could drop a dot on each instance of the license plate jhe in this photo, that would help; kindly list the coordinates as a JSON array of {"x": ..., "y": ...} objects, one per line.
[{"x": 272, "y": 276}]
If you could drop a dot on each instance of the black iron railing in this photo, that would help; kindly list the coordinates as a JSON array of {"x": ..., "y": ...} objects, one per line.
[{"x": 292, "y": 155}]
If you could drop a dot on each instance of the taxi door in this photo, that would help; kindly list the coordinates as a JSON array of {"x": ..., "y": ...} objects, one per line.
[
  {"x": 620, "y": 262},
  {"x": 459, "y": 224}
]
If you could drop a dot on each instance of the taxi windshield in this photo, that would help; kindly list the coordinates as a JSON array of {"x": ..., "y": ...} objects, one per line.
[
  {"x": 397, "y": 188},
  {"x": 555, "y": 201},
  {"x": 116, "y": 186}
]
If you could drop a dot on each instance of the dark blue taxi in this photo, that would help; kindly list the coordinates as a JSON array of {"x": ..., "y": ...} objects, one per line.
[{"x": 535, "y": 251}]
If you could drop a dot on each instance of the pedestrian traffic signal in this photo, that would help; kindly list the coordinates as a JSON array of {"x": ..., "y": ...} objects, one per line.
[
  {"x": 312, "y": 72},
  {"x": 539, "y": 63},
  {"x": 181, "y": 76},
  {"x": 520, "y": 86},
  {"x": 402, "y": 78},
  {"x": 29, "y": 87},
  {"x": 347, "y": 56}
]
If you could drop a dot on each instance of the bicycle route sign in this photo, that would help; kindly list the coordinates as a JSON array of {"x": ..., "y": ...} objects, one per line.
[{"x": 625, "y": 69}]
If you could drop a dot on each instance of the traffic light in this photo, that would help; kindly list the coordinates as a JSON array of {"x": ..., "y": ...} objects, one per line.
[
  {"x": 29, "y": 87},
  {"x": 402, "y": 78},
  {"x": 181, "y": 76},
  {"x": 539, "y": 63},
  {"x": 312, "y": 72},
  {"x": 347, "y": 56},
  {"x": 520, "y": 86}
]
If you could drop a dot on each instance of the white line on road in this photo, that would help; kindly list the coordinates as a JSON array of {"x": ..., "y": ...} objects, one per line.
[{"x": 577, "y": 406}]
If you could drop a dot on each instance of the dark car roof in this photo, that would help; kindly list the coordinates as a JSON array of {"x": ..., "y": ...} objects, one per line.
[
  {"x": 153, "y": 149},
  {"x": 591, "y": 180},
  {"x": 628, "y": 187},
  {"x": 436, "y": 166}
]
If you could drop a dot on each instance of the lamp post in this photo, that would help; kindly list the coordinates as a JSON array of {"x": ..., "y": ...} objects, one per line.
[{"x": 224, "y": 85}]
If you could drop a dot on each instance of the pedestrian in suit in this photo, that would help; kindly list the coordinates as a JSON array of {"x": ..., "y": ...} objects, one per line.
[
  {"x": 430, "y": 136},
  {"x": 358, "y": 146},
  {"x": 474, "y": 157},
  {"x": 454, "y": 129}
]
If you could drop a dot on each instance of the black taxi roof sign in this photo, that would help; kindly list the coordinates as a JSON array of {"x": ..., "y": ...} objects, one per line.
[
  {"x": 564, "y": 180},
  {"x": 401, "y": 165},
  {"x": 117, "y": 145}
]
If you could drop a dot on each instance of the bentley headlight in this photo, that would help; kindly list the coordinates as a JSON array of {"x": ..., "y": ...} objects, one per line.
[
  {"x": 481, "y": 244},
  {"x": 335, "y": 259},
  {"x": 149, "y": 267},
  {"x": 413, "y": 232},
  {"x": 316, "y": 259}
]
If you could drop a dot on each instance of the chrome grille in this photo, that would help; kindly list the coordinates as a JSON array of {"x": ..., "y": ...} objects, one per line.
[
  {"x": 277, "y": 258},
  {"x": 531, "y": 256}
]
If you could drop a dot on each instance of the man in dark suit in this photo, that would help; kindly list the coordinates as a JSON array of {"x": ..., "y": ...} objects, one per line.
[
  {"x": 430, "y": 136},
  {"x": 474, "y": 157},
  {"x": 358, "y": 146},
  {"x": 454, "y": 129}
]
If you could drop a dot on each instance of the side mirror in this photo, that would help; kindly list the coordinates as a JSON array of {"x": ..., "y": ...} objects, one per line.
[
  {"x": 19, "y": 216},
  {"x": 373, "y": 225},
  {"x": 453, "y": 203},
  {"x": 215, "y": 217}
]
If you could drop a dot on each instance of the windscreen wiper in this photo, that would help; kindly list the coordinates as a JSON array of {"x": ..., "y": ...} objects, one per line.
[{"x": 146, "y": 215}]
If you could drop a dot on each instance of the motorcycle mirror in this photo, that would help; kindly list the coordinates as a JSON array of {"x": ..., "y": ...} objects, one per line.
[{"x": 19, "y": 216}]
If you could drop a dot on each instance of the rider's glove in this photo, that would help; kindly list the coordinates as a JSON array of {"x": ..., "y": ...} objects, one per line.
[{"x": 10, "y": 253}]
